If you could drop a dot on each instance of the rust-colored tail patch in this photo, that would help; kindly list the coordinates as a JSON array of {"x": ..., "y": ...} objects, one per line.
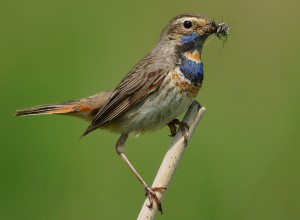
[
  {"x": 85, "y": 108},
  {"x": 47, "y": 109}
]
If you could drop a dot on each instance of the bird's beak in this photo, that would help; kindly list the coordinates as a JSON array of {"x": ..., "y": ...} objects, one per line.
[{"x": 208, "y": 27}]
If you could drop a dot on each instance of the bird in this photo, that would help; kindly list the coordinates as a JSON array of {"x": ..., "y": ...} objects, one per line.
[{"x": 153, "y": 94}]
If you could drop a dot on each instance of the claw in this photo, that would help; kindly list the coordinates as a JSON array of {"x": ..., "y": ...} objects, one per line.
[
  {"x": 184, "y": 127},
  {"x": 173, "y": 129},
  {"x": 151, "y": 195},
  {"x": 150, "y": 201}
]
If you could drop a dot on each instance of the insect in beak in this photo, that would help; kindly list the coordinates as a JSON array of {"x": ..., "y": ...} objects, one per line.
[{"x": 222, "y": 31}]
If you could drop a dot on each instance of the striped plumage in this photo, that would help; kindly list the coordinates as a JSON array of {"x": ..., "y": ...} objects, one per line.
[{"x": 157, "y": 90}]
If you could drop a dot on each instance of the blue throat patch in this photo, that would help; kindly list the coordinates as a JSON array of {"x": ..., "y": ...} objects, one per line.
[
  {"x": 192, "y": 70},
  {"x": 191, "y": 38},
  {"x": 191, "y": 65}
]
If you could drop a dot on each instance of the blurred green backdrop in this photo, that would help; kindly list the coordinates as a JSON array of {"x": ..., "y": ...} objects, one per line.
[{"x": 243, "y": 161}]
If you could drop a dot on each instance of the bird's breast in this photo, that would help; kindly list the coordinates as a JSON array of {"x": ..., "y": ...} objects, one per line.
[
  {"x": 183, "y": 84},
  {"x": 171, "y": 99},
  {"x": 191, "y": 66}
]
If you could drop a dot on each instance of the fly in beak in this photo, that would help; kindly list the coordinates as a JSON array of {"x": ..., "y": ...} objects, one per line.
[{"x": 221, "y": 30}]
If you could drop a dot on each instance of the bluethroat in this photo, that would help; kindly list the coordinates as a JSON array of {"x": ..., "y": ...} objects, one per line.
[{"x": 155, "y": 91}]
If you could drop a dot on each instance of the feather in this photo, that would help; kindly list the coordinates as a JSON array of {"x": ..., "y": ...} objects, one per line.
[{"x": 135, "y": 86}]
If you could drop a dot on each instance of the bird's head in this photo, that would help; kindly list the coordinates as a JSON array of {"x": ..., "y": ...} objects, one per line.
[{"x": 188, "y": 29}]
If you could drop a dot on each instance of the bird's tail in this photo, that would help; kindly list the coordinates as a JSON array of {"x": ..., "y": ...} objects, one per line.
[
  {"x": 60, "y": 108},
  {"x": 86, "y": 108}
]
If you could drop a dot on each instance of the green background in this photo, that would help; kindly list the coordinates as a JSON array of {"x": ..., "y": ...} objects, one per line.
[{"x": 243, "y": 161}]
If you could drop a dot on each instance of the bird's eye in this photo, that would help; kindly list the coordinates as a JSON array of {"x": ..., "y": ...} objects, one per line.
[{"x": 187, "y": 24}]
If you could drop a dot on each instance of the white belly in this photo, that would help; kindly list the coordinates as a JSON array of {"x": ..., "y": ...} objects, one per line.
[{"x": 155, "y": 111}]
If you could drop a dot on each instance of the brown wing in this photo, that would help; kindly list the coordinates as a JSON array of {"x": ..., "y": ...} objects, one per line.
[{"x": 133, "y": 88}]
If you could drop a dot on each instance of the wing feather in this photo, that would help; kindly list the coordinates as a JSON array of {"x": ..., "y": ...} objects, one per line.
[{"x": 136, "y": 86}]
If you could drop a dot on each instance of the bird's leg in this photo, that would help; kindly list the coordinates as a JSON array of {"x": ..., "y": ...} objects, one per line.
[
  {"x": 150, "y": 192},
  {"x": 173, "y": 128},
  {"x": 182, "y": 126}
]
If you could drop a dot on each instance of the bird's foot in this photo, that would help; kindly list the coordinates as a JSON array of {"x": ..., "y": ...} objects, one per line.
[
  {"x": 151, "y": 195},
  {"x": 184, "y": 127}
]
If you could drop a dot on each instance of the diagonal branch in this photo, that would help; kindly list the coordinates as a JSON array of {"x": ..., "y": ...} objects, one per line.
[{"x": 172, "y": 158}]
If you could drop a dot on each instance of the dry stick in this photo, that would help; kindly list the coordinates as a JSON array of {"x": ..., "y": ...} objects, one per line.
[{"x": 172, "y": 158}]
